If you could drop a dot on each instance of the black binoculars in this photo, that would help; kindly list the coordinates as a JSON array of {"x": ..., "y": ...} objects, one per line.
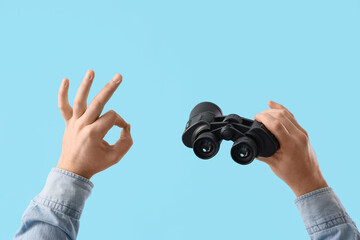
[{"x": 207, "y": 127}]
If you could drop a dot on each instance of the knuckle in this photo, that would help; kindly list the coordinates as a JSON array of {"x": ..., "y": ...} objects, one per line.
[
  {"x": 92, "y": 131},
  {"x": 303, "y": 138},
  {"x": 112, "y": 113},
  {"x": 117, "y": 159},
  {"x": 80, "y": 124},
  {"x": 280, "y": 114},
  {"x": 61, "y": 106},
  {"x": 290, "y": 113},
  {"x": 306, "y": 133},
  {"x": 127, "y": 143},
  {"x": 283, "y": 111},
  {"x": 96, "y": 103},
  {"x": 131, "y": 141},
  {"x": 110, "y": 85},
  {"x": 259, "y": 116},
  {"x": 277, "y": 125},
  {"x": 77, "y": 104}
]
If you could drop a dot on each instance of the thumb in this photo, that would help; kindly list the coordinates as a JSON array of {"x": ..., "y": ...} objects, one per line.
[
  {"x": 122, "y": 146},
  {"x": 262, "y": 159},
  {"x": 125, "y": 132}
]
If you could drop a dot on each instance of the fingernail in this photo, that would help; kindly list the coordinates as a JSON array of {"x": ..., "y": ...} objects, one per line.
[
  {"x": 89, "y": 75},
  {"x": 117, "y": 78},
  {"x": 64, "y": 83}
]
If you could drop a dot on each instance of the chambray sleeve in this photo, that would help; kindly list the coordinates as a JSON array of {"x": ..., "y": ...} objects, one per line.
[
  {"x": 55, "y": 212},
  {"x": 325, "y": 217}
]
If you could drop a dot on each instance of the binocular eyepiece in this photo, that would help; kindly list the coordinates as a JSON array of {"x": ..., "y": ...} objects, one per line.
[{"x": 207, "y": 127}]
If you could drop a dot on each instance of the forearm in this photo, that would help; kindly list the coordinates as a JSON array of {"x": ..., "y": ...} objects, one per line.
[
  {"x": 325, "y": 217},
  {"x": 56, "y": 211}
]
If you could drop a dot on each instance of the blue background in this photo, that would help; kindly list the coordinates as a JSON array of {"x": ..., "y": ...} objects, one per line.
[{"x": 172, "y": 55}]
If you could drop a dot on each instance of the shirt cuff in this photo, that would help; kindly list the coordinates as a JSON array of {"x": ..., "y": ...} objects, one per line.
[
  {"x": 321, "y": 209},
  {"x": 65, "y": 192}
]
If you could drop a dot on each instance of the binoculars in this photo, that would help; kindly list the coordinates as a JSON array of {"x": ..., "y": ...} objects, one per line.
[{"x": 207, "y": 127}]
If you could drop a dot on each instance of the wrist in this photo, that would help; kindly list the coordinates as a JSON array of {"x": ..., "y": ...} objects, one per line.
[
  {"x": 308, "y": 186},
  {"x": 73, "y": 169}
]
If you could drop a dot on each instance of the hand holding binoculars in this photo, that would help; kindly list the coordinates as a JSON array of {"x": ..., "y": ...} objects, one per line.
[{"x": 207, "y": 127}]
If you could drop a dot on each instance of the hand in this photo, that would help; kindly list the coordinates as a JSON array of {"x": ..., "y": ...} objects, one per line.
[
  {"x": 295, "y": 162},
  {"x": 84, "y": 151}
]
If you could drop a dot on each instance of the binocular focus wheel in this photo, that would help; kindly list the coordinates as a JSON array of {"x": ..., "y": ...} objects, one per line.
[{"x": 233, "y": 118}]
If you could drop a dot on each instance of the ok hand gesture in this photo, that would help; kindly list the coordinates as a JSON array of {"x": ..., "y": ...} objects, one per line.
[{"x": 84, "y": 151}]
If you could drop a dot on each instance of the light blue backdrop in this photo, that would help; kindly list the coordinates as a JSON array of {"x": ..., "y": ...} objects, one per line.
[{"x": 238, "y": 54}]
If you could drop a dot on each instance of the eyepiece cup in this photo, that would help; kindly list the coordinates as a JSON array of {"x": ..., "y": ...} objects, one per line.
[
  {"x": 244, "y": 151},
  {"x": 206, "y": 145}
]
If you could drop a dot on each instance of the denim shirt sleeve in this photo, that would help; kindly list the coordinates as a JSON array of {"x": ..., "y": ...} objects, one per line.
[
  {"x": 325, "y": 217},
  {"x": 56, "y": 211}
]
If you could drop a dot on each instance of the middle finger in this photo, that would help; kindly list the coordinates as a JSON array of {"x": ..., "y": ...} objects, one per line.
[
  {"x": 82, "y": 94},
  {"x": 97, "y": 104}
]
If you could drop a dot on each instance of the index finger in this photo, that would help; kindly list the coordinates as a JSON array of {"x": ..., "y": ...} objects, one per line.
[
  {"x": 107, "y": 121},
  {"x": 275, "y": 126},
  {"x": 275, "y": 105},
  {"x": 97, "y": 104}
]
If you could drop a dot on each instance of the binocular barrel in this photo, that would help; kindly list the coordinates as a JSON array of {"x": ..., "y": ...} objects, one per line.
[{"x": 207, "y": 127}]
